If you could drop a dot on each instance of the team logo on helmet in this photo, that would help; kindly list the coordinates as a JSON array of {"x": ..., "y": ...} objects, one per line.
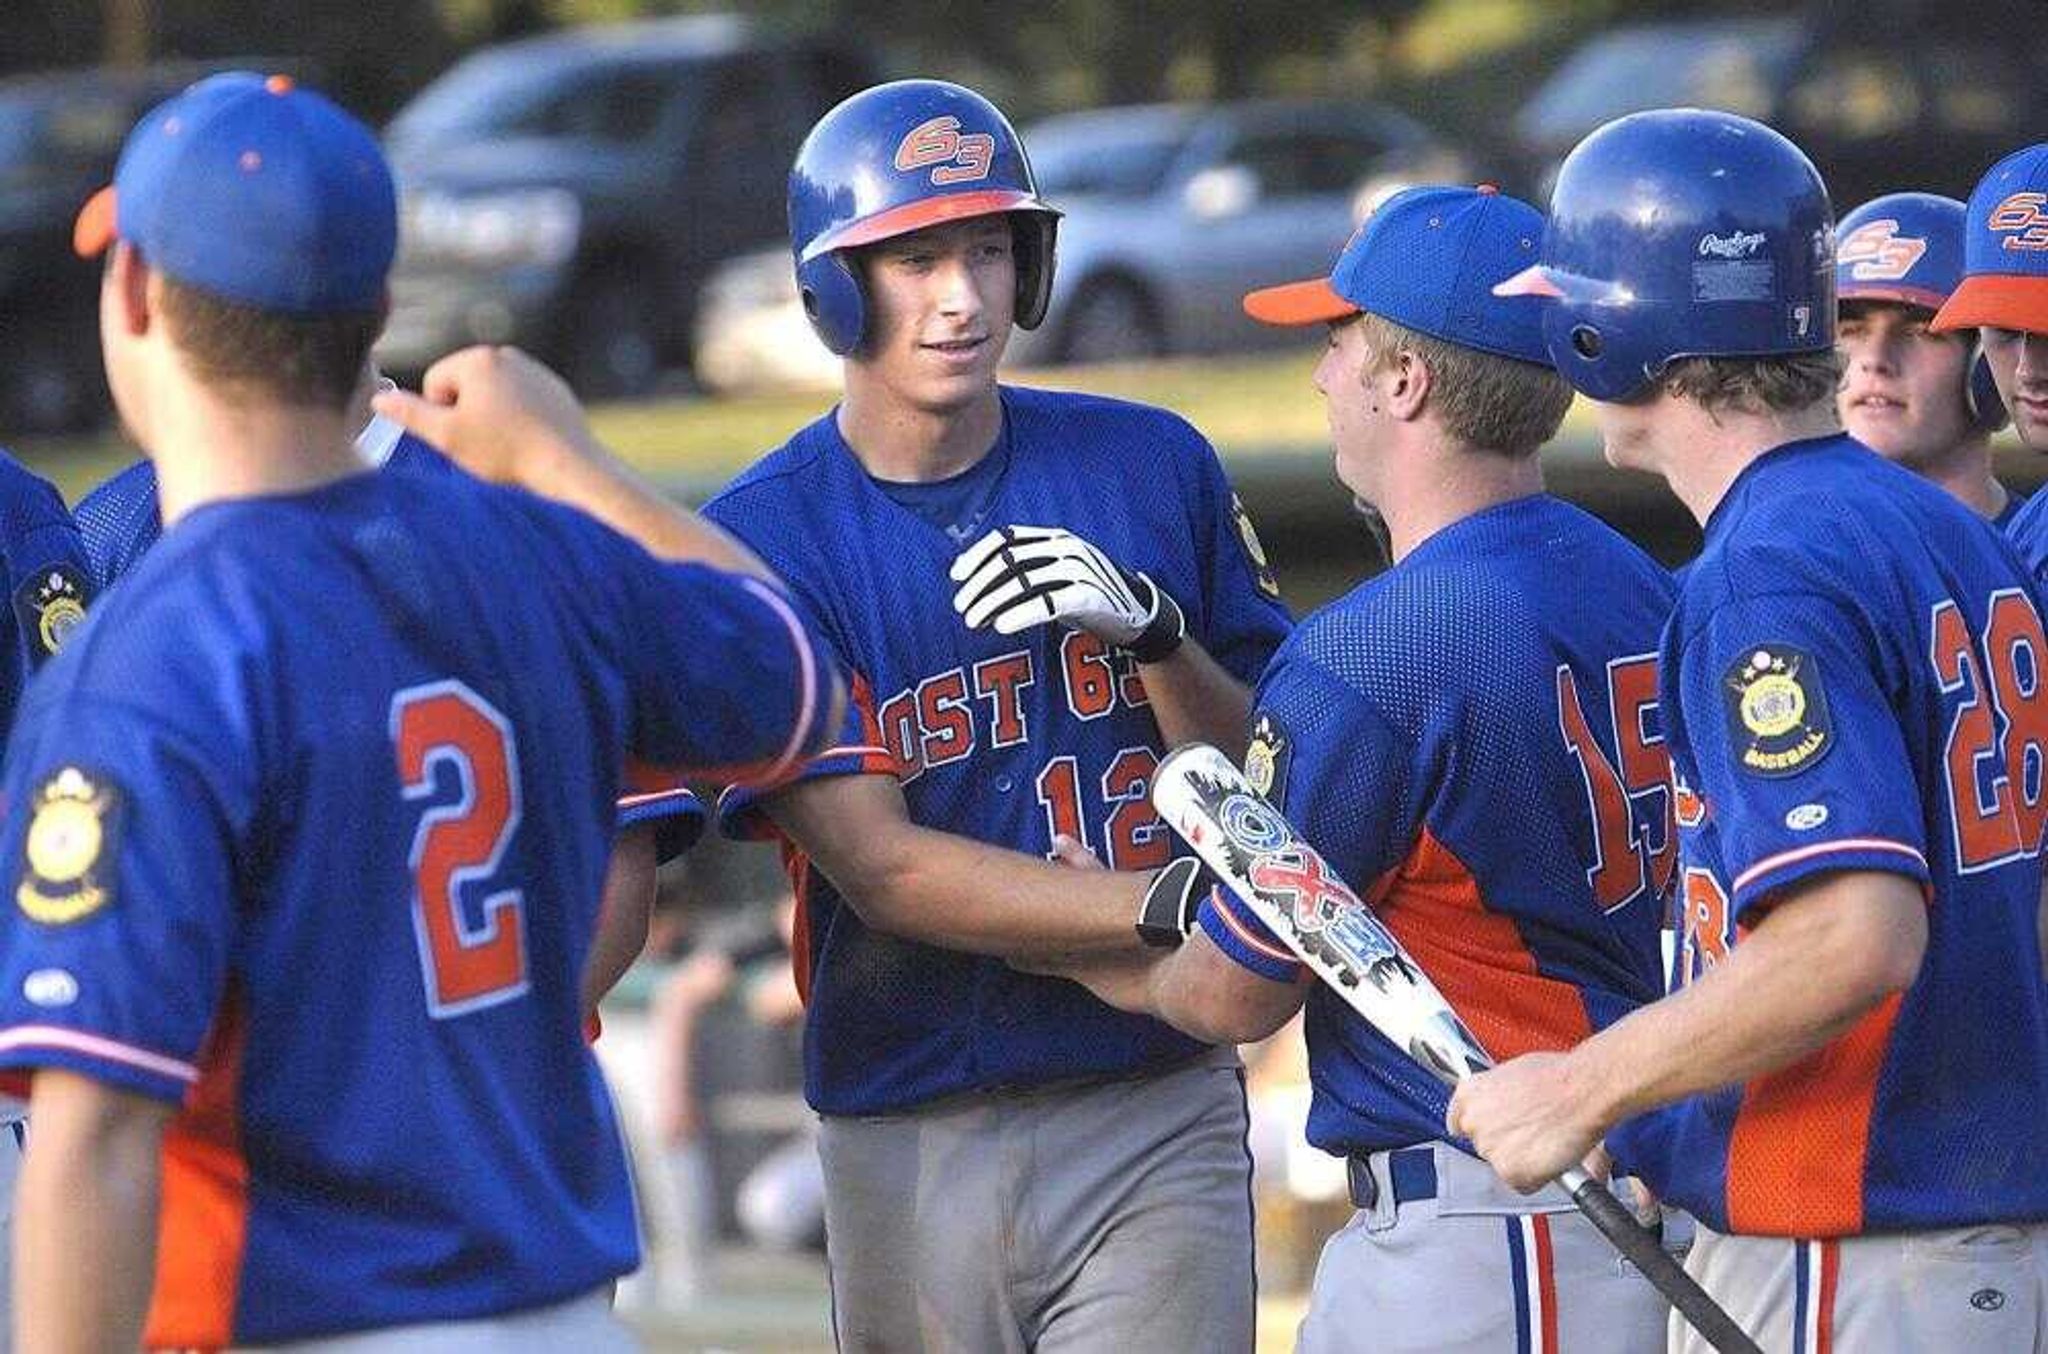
[
  {"x": 1876, "y": 252},
  {"x": 72, "y": 831},
  {"x": 956, "y": 157},
  {"x": 2021, "y": 220}
]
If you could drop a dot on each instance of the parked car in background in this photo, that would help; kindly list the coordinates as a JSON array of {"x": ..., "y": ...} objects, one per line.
[
  {"x": 60, "y": 132},
  {"x": 1881, "y": 98},
  {"x": 572, "y": 192},
  {"x": 1174, "y": 211}
]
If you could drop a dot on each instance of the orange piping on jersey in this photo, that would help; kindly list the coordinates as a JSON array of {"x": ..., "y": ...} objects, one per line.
[
  {"x": 204, "y": 1221},
  {"x": 1797, "y": 1151},
  {"x": 1476, "y": 957}
]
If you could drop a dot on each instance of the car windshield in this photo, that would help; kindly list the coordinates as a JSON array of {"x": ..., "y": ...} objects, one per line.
[
  {"x": 1090, "y": 154},
  {"x": 1733, "y": 65},
  {"x": 40, "y": 135},
  {"x": 489, "y": 92}
]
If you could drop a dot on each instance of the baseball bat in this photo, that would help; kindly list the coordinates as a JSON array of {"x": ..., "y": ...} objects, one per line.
[{"x": 1252, "y": 848}]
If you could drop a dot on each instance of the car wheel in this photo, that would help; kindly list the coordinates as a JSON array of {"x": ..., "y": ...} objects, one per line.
[
  {"x": 1111, "y": 320},
  {"x": 612, "y": 347}
]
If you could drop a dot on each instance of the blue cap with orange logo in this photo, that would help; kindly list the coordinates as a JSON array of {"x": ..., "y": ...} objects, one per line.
[
  {"x": 1427, "y": 260},
  {"x": 2005, "y": 249},
  {"x": 254, "y": 190}
]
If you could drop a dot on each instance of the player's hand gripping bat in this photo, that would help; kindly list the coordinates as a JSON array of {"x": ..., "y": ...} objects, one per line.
[{"x": 1254, "y": 850}]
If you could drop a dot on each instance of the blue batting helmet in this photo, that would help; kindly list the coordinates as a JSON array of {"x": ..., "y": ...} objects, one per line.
[
  {"x": 1906, "y": 249},
  {"x": 1681, "y": 233},
  {"x": 895, "y": 159}
]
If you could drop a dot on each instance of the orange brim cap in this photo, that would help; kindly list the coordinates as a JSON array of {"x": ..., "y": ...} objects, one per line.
[
  {"x": 1298, "y": 303},
  {"x": 2001, "y": 300},
  {"x": 94, "y": 229}
]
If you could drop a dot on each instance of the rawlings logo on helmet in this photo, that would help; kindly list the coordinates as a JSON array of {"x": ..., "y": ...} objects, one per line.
[
  {"x": 1738, "y": 244},
  {"x": 1876, "y": 252},
  {"x": 939, "y": 142},
  {"x": 2021, "y": 221}
]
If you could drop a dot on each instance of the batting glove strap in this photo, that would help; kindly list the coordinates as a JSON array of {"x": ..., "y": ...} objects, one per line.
[
  {"x": 1017, "y": 577},
  {"x": 1171, "y": 903},
  {"x": 1165, "y": 625}
]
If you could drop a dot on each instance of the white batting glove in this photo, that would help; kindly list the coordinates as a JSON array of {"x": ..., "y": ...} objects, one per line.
[{"x": 1016, "y": 577}]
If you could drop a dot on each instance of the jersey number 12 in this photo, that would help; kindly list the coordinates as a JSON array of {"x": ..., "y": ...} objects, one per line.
[{"x": 459, "y": 845}]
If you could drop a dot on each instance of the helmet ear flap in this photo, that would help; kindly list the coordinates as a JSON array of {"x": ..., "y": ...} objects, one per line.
[
  {"x": 833, "y": 301},
  {"x": 1037, "y": 234},
  {"x": 1980, "y": 392}
]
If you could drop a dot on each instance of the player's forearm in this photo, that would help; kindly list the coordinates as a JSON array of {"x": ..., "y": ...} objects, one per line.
[
  {"x": 1195, "y": 701},
  {"x": 1820, "y": 963},
  {"x": 629, "y": 885},
  {"x": 85, "y": 1225},
  {"x": 961, "y": 894},
  {"x": 1200, "y": 992}
]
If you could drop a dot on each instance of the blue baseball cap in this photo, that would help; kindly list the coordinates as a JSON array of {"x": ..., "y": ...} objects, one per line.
[
  {"x": 254, "y": 190},
  {"x": 1427, "y": 260},
  {"x": 2005, "y": 249},
  {"x": 1905, "y": 248}
]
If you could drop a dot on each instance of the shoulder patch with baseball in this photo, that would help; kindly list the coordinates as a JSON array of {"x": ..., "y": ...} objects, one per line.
[
  {"x": 67, "y": 861},
  {"x": 1777, "y": 712},
  {"x": 1266, "y": 759},
  {"x": 50, "y": 604},
  {"x": 1256, "y": 553}
]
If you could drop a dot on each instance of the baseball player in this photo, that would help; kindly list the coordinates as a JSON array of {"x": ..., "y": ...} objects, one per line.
[
  {"x": 659, "y": 818},
  {"x": 1035, "y": 594},
  {"x": 2003, "y": 294},
  {"x": 1846, "y": 1087},
  {"x": 309, "y": 824},
  {"x": 1922, "y": 399},
  {"x": 1476, "y": 732},
  {"x": 50, "y": 582}
]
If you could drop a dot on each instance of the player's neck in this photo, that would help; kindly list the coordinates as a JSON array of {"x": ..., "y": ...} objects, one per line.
[
  {"x": 1966, "y": 474},
  {"x": 1447, "y": 487},
  {"x": 207, "y": 450},
  {"x": 899, "y": 441},
  {"x": 1700, "y": 454}
]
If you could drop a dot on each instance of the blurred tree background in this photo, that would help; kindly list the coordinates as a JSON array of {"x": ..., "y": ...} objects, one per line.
[{"x": 1033, "y": 59}]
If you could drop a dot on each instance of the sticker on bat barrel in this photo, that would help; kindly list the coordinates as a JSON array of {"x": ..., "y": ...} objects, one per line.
[
  {"x": 1252, "y": 825},
  {"x": 1328, "y": 918}
]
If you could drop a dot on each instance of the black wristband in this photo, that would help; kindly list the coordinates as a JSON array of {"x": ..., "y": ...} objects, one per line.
[
  {"x": 1167, "y": 628},
  {"x": 1168, "y": 912}
]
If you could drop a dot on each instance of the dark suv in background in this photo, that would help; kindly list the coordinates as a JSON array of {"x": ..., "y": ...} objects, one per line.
[
  {"x": 1884, "y": 97},
  {"x": 60, "y": 133},
  {"x": 570, "y": 192}
]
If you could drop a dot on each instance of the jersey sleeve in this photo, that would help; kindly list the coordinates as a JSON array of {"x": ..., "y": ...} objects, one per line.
[
  {"x": 49, "y": 579},
  {"x": 120, "y": 859},
  {"x": 1245, "y": 618},
  {"x": 654, "y": 796},
  {"x": 1342, "y": 775},
  {"x": 727, "y": 679},
  {"x": 1803, "y": 767}
]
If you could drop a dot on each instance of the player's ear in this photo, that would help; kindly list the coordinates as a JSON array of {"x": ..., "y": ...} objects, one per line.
[
  {"x": 1408, "y": 389},
  {"x": 128, "y": 278}
]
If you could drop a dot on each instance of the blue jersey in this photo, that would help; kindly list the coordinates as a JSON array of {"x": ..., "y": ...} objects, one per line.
[
  {"x": 1852, "y": 681},
  {"x": 49, "y": 581},
  {"x": 2026, "y": 525},
  {"x": 310, "y": 828},
  {"x": 1003, "y": 738},
  {"x": 1472, "y": 740},
  {"x": 120, "y": 520}
]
